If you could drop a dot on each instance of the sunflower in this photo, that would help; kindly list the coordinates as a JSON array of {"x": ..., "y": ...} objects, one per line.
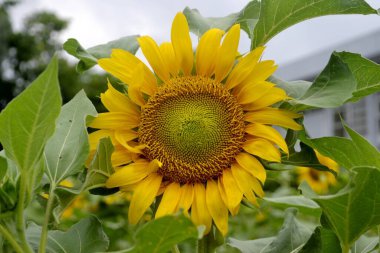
[
  {"x": 319, "y": 181},
  {"x": 192, "y": 129}
]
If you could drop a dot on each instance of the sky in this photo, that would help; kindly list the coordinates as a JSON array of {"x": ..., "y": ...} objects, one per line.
[{"x": 95, "y": 22}]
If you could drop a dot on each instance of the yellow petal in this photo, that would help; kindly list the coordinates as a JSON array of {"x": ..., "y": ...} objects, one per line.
[
  {"x": 328, "y": 162},
  {"x": 134, "y": 89},
  {"x": 169, "y": 200},
  {"x": 181, "y": 41},
  {"x": 124, "y": 139},
  {"x": 242, "y": 178},
  {"x": 268, "y": 133},
  {"x": 121, "y": 156},
  {"x": 207, "y": 51},
  {"x": 274, "y": 116},
  {"x": 253, "y": 91},
  {"x": 143, "y": 196},
  {"x": 233, "y": 193},
  {"x": 274, "y": 95},
  {"x": 227, "y": 53},
  {"x": 199, "y": 212},
  {"x": 129, "y": 174},
  {"x": 262, "y": 148},
  {"x": 116, "y": 101},
  {"x": 245, "y": 66},
  {"x": 216, "y": 207},
  {"x": 168, "y": 56},
  {"x": 121, "y": 65},
  {"x": 187, "y": 196},
  {"x": 252, "y": 165},
  {"x": 115, "y": 120},
  {"x": 152, "y": 53},
  {"x": 261, "y": 71},
  {"x": 95, "y": 137}
]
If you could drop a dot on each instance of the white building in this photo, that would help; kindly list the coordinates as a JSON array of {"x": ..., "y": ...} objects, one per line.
[{"x": 362, "y": 116}]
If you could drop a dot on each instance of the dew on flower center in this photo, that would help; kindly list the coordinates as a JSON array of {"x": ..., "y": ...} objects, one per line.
[{"x": 194, "y": 127}]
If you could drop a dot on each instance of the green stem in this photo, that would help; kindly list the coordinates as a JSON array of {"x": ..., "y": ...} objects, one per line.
[
  {"x": 378, "y": 233},
  {"x": 10, "y": 238},
  {"x": 202, "y": 245},
  {"x": 207, "y": 244},
  {"x": 6, "y": 215},
  {"x": 175, "y": 249},
  {"x": 43, "y": 240},
  {"x": 20, "y": 219},
  {"x": 345, "y": 249}
]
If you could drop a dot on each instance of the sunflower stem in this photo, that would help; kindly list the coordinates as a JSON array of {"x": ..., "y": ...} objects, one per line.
[
  {"x": 10, "y": 238},
  {"x": 20, "y": 218},
  {"x": 207, "y": 244},
  {"x": 43, "y": 240}
]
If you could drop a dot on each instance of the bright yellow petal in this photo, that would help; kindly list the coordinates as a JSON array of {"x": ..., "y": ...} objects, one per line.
[
  {"x": 242, "y": 179},
  {"x": 262, "y": 148},
  {"x": 125, "y": 140},
  {"x": 121, "y": 156},
  {"x": 328, "y": 162},
  {"x": 95, "y": 137},
  {"x": 132, "y": 173},
  {"x": 227, "y": 53},
  {"x": 245, "y": 66},
  {"x": 168, "y": 56},
  {"x": 115, "y": 120},
  {"x": 269, "y": 133},
  {"x": 116, "y": 101},
  {"x": 181, "y": 41},
  {"x": 274, "y": 116},
  {"x": 252, "y": 165},
  {"x": 274, "y": 95},
  {"x": 253, "y": 91},
  {"x": 169, "y": 200},
  {"x": 121, "y": 65},
  {"x": 143, "y": 196},
  {"x": 233, "y": 193},
  {"x": 261, "y": 72},
  {"x": 152, "y": 53},
  {"x": 199, "y": 212},
  {"x": 187, "y": 196},
  {"x": 216, "y": 207},
  {"x": 134, "y": 89},
  {"x": 207, "y": 51}
]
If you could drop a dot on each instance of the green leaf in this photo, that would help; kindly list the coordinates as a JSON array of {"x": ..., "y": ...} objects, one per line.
[
  {"x": 277, "y": 15},
  {"x": 348, "y": 153},
  {"x": 321, "y": 241},
  {"x": 365, "y": 244},
  {"x": 247, "y": 18},
  {"x": 355, "y": 209},
  {"x": 89, "y": 57},
  {"x": 3, "y": 167},
  {"x": 29, "y": 120},
  {"x": 295, "y": 89},
  {"x": 162, "y": 234},
  {"x": 292, "y": 235},
  {"x": 304, "y": 205},
  {"x": 366, "y": 73},
  {"x": 67, "y": 150},
  {"x": 85, "y": 236},
  {"x": 332, "y": 88},
  {"x": 101, "y": 167}
]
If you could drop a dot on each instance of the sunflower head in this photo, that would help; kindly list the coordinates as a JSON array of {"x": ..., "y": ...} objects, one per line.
[
  {"x": 192, "y": 129},
  {"x": 319, "y": 181}
]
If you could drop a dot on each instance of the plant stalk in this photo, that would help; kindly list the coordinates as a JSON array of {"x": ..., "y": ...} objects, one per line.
[
  {"x": 43, "y": 240},
  {"x": 378, "y": 233},
  {"x": 206, "y": 244},
  {"x": 20, "y": 219},
  {"x": 10, "y": 238}
]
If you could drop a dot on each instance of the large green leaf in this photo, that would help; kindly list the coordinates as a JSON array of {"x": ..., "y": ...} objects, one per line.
[
  {"x": 304, "y": 205},
  {"x": 366, "y": 73},
  {"x": 29, "y": 120},
  {"x": 292, "y": 235},
  {"x": 83, "y": 237},
  {"x": 162, "y": 234},
  {"x": 365, "y": 244},
  {"x": 67, "y": 150},
  {"x": 247, "y": 18},
  {"x": 101, "y": 167},
  {"x": 89, "y": 57},
  {"x": 355, "y": 209},
  {"x": 349, "y": 153},
  {"x": 277, "y": 15},
  {"x": 322, "y": 241},
  {"x": 334, "y": 86}
]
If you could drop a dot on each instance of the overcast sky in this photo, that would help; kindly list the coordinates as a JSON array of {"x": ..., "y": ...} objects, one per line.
[{"x": 95, "y": 22}]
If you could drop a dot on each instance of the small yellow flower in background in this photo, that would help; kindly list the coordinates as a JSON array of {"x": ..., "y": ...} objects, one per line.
[
  {"x": 192, "y": 129},
  {"x": 319, "y": 181}
]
